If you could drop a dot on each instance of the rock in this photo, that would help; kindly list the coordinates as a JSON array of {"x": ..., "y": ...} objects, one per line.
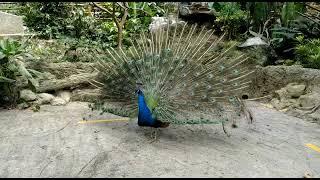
[
  {"x": 285, "y": 103},
  {"x": 87, "y": 95},
  {"x": 255, "y": 41},
  {"x": 23, "y": 105},
  {"x": 57, "y": 101},
  {"x": 11, "y": 24},
  {"x": 65, "y": 95},
  {"x": 287, "y": 96},
  {"x": 282, "y": 94},
  {"x": 309, "y": 100},
  {"x": 35, "y": 107},
  {"x": 295, "y": 90},
  {"x": 271, "y": 78},
  {"x": 158, "y": 22},
  {"x": 276, "y": 103},
  {"x": 44, "y": 98},
  {"x": 27, "y": 95}
]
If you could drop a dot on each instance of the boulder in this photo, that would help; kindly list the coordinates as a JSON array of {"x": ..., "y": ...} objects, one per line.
[
  {"x": 309, "y": 100},
  {"x": 65, "y": 95},
  {"x": 58, "y": 101},
  {"x": 295, "y": 90},
  {"x": 284, "y": 103},
  {"x": 23, "y": 105},
  {"x": 254, "y": 41},
  {"x": 271, "y": 78},
  {"x": 87, "y": 95},
  {"x": 27, "y": 95},
  {"x": 282, "y": 94},
  {"x": 159, "y": 22},
  {"x": 44, "y": 98}
]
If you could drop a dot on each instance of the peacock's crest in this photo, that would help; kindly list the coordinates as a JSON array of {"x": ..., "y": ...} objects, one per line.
[{"x": 186, "y": 76}]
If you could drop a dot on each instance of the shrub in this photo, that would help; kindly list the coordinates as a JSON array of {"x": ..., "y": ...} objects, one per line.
[
  {"x": 11, "y": 67},
  {"x": 308, "y": 53},
  {"x": 230, "y": 18}
]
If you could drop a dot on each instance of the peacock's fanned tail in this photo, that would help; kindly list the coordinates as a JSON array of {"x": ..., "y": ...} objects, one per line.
[{"x": 187, "y": 78}]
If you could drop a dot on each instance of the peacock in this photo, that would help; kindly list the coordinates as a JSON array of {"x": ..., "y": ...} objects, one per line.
[{"x": 176, "y": 75}]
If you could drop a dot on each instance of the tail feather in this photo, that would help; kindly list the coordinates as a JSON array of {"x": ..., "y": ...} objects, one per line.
[{"x": 183, "y": 68}]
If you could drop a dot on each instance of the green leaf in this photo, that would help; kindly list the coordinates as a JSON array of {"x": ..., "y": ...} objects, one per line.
[
  {"x": 7, "y": 80},
  {"x": 2, "y": 55}
]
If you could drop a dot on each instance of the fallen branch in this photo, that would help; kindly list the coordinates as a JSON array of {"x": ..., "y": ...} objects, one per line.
[{"x": 71, "y": 81}]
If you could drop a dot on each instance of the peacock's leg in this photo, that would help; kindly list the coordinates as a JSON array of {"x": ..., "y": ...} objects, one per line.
[
  {"x": 219, "y": 111},
  {"x": 236, "y": 102},
  {"x": 153, "y": 135},
  {"x": 224, "y": 129}
]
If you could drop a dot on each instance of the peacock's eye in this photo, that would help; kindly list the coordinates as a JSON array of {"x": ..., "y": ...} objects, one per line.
[
  {"x": 191, "y": 93},
  {"x": 204, "y": 96},
  {"x": 223, "y": 80},
  {"x": 221, "y": 67},
  {"x": 210, "y": 76},
  {"x": 231, "y": 99}
]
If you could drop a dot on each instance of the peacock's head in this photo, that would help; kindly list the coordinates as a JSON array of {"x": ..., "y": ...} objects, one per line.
[{"x": 138, "y": 88}]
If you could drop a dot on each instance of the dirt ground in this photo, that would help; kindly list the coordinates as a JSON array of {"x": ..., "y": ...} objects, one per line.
[{"x": 51, "y": 143}]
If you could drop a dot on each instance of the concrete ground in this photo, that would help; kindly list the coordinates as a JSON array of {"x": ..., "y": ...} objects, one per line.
[{"x": 51, "y": 143}]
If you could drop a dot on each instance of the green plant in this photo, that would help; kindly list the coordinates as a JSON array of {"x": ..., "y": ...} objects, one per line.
[
  {"x": 47, "y": 18},
  {"x": 117, "y": 24},
  {"x": 308, "y": 53},
  {"x": 290, "y": 11},
  {"x": 127, "y": 19},
  {"x": 11, "y": 67},
  {"x": 260, "y": 13},
  {"x": 289, "y": 26},
  {"x": 230, "y": 17},
  {"x": 79, "y": 24}
]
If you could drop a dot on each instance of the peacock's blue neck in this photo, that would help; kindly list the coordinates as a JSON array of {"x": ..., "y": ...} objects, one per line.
[{"x": 145, "y": 116}]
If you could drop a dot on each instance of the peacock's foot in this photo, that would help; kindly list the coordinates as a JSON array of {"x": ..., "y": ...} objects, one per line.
[{"x": 154, "y": 136}]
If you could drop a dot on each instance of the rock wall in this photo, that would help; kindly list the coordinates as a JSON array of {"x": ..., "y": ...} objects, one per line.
[
  {"x": 271, "y": 78},
  {"x": 11, "y": 24},
  {"x": 295, "y": 90}
]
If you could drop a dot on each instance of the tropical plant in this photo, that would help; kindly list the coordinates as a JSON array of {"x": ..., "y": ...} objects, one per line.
[
  {"x": 230, "y": 17},
  {"x": 290, "y": 11},
  {"x": 260, "y": 13},
  {"x": 308, "y": 53},
  {"x": 129, "y": 18},
  {"x": 11, "y": 67},
  {"x": 47, "y": 18},
  {"x": 285, "y": 30}
]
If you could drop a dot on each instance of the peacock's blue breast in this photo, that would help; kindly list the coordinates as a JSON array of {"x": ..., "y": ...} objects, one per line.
[{"x": 145, "y": 116}]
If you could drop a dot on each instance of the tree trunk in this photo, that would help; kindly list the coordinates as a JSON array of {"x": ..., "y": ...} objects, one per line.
[{"x": 120, "y": 37}]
